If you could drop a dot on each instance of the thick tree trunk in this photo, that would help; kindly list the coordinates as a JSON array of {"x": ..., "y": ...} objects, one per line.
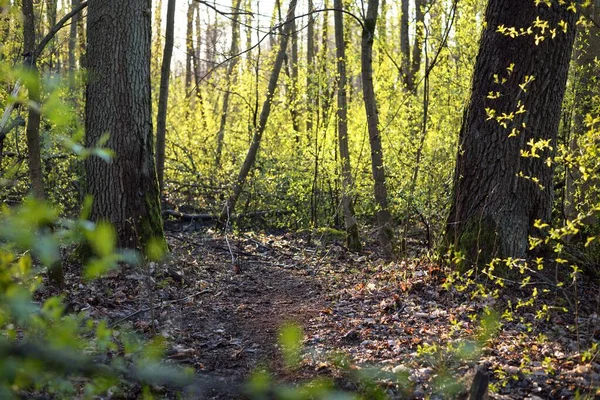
[
  {"x": 230, "y": 77},
  {"x": 352, "y": 237},
  {"x": 229, "y": 207},
  {"x": 493, "y": 208},
  {"x": 163, "y": 97},
  {"x": 119, "y": 104},
  {"x": 384, "y": 218},
  {"x": 33, "y": 118}
]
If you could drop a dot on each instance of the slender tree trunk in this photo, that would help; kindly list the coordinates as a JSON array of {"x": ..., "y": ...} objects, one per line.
[
  {"x": 294, "y": 76},
  {"x": 310, "y": 69},
  {"x": 56, "y": 274},
  {"x": 230, "y": 77},
  {"x": 352, "y": 237},
  {"x": 163, "y": 97},
  {"x": 405, "y": 42},
  {"x": 189, "y": 45},
  {"x": 119, "y": 104},
  {"x": 51, "y": 6},
  {"x": 33, "y": 118},
  {"x": 417, "y": 49},
  {"x": 229, "y": 207},
  {"x": 586, "y": 87},
  {"x": 73, "y": 45},
  {"x": 498, "y": 194},
  {"x": 82, "y": 36},
  {"x": 384, "y": 218}
]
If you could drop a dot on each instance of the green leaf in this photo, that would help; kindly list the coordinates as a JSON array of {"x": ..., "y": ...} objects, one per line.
[{"x": 290, "y": 340}]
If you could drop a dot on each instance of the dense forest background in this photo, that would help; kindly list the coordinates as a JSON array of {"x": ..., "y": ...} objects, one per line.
[{"x": 449, "y": 146}]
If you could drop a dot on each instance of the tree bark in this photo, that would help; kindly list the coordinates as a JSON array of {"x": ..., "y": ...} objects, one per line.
[
  {"x": 51, "y": 6},
  {"x": 189, "y": 45},
  {"x": 229, "y": 207},
  {"x": 163, "y": 97},
  {"x": 352, "y": 236},
  {"x": 33, "y": 118},
  {"x": 493, "y": 208},
  {"x": 119, "y": 104},
  {"x": 310, "y": 69},
  {"x": 586, "y": 87},
  {"x": 73, "y": 45},
  {"x": 417, "y": 49},
  {"x": 230, "y": 77},
  {"x": 405, "y": 42},
  {"x": 384, "y": 218}
]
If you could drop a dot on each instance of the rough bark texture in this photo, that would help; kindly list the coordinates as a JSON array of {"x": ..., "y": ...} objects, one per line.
[
  {"x": 384, "y": 218},
  {"x": 352, "y": 237},
  {"x": 493, "y": 209},
  {"x": 586, "y": 87},
  {"x": 33, "y": 117},
  {"x": 119, "y": 104},
  {"x": 229, "y": 207},
  {"x": 230, "y": 77},
  {"x": 163, "y": 96}
]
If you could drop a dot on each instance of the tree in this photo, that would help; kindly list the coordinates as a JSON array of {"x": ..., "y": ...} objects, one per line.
[
  {"x": 385, "y": 230},
  {"x": 410, "y": 67},
  {"x": 33, "y": 118},
  {"x": 352, "y": 237},
  {"x": 579, "y": 192},
  {"x": 163, "y": 97},
  {"x": 503, "y": 182},
  {"x": 118, "y": 103},
  {"x": 229, "y": 207},
  {"x": 230, "y": 77}
]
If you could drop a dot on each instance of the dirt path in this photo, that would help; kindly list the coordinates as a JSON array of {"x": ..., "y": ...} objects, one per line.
[{"x": 222, "y": 318}]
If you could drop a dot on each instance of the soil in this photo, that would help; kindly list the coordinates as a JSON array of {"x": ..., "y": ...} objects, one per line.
[{"x": 221, "y": 300}]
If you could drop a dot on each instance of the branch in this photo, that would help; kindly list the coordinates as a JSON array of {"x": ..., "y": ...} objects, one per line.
[
  {"x": 54, "y": 30},
  {"x": 223, "y": 13},
  {"x": 272, "y": 31}
]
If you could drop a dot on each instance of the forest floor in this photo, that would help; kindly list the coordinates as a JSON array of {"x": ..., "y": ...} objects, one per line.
[{"x": 220, "y": 302}]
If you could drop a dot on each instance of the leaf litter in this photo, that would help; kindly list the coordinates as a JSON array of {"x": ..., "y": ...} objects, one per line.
[{"x": 220, "y": 305}]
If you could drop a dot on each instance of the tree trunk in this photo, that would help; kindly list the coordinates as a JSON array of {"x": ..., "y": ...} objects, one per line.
[
  {"x": 235, "y": 49},
  {"x": 417, "y": 49},
  {"x": 51, "y": 6},
  {"x": 189, "y": 45},
  {"x": 384, "y": 218},
  {"x": 73, "y": 45},
  {"x": 229, "y": 207},
  {"x": 310, "y": 69},
  {"x": 405, "y": 42},
  {"x": 163, "y": 97},
  {"x": 33, "y": 118},
  {"x": 352, "y": 237},
  {"x": 493, "y": 208},
  {"x": 119, "y": 104},
  {"x": 81, "y": 23},
  {"x": 586, "y": 87}
]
